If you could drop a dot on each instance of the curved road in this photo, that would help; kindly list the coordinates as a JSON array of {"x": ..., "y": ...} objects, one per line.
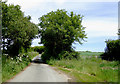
[{"x": 38, "y": 72}]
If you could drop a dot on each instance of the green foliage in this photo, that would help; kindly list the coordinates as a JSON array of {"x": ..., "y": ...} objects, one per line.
[
  {"x": 46, "y": 56},
  {"x": 39, "y": 49},
  {"x": 83, "y": 70},
  {"x": 13, "y": 65},
  {"x": 63, "y": 55},
  {"x": 89, "y": 53},
  {"x": 112, "y": 51},
  {"x": 69, "y": 55},
  {"x": 17, "y": 30},
  {"x": 59, "y": 30},
  {"x": 32, "y": 54}
]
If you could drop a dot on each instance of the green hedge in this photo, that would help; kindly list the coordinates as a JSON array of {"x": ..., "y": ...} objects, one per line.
[
  {"x": 39, "y": 49},
  {"x": 68, "y": 55},
  {"x": 63, "y": 55},
  {"x": 112, "y": 51}
]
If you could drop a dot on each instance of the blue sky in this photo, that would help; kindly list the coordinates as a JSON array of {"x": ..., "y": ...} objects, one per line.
[{"x": 100, "y": 18}]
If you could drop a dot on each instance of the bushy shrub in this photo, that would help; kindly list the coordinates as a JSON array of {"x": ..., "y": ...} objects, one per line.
[
  {"x": 13, "y": 65},
  {"x": 45, "y": 57},
  {"x": 39, "y": 49},
  {"x": 32, "y": 54},
  {"x": 112, "y": 51},
  {"x": 68, "y": 55},
  {"x": 63, "y": 55},
  {"x": 59, "y": 30}
]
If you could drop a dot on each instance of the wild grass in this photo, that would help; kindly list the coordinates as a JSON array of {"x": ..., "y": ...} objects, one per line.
[
  {"x": 12, "y": 66},
  {"x": 0, "y": 70},
  {"x": 87, "y": 69},
  {"x": 89, "y": 53},
  {"x": 32, "y": 54}
]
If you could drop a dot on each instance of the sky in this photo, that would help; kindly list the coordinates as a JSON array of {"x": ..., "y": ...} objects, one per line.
[{"x": 100, "y": 18}]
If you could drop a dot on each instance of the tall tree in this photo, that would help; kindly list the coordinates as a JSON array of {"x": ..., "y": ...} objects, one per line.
[
  {"x": 59, "y": 30},
  {"x": 17, "y": 30}
]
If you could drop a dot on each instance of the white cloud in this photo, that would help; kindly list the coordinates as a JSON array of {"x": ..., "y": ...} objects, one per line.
[
  {"x": 35, "y": 42},
  {"x": 36, "y": 8},
  {"x": 98, "y": 27},
  {"x": 95, "y": 27},
  {"x": 58, "y": 2},
  {"x": 25, "y": 4},
  {"x": 93, "y": 0}
]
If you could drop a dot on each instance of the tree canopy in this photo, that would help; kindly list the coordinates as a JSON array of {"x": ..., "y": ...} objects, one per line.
[
  {"x": 17, "y": 29},
  {"x": 112, "y": 50},
  {"x": 59, "y": 30}
]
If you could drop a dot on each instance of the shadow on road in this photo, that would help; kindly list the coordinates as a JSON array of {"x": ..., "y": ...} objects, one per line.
[{"x": 39, "y": 61}]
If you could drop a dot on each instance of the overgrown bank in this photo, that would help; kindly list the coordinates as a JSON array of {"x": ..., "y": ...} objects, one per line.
[
  {"x": 12, "y": 66},
  {"x": 17, "y": 35},
  {"x": 88, "y": 68}
]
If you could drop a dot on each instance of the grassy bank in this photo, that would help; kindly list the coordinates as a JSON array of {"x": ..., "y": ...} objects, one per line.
[
  {"x": 89, "y": 53},
  {"x": 12, "y": 66},
  {"x": 0, "y": 70},
  {"x": 89, "y": 68}
]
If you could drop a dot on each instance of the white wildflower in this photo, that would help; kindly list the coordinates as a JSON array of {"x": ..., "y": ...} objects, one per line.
[
  {"x": 96, "y": 56},
  {"x": 20, "y": 59},
  {"x": 11, "y": 58}
]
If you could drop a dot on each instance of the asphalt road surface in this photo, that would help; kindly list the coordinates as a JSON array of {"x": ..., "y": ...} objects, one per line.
[{"x": 39, "y": 72}]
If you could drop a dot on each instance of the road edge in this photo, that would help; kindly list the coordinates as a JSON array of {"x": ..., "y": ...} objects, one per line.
[
  {"x": 18, "y": 73},
  {"x": 70, "y": 79}
]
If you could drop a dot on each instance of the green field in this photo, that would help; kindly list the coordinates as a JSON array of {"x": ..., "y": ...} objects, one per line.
[
  {"x": 89, "y": 53},
  {"x": 89, "y": 68}
]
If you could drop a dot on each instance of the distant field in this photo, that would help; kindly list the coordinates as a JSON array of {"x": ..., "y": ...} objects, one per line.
[
  {"x": 89, "y": 69},
  {"x": 89, "y": 53}
]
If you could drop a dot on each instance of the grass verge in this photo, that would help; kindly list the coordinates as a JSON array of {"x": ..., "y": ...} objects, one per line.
[
  {"x": 12, "y": 66},
  {"x": 88, "y": 69}
]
